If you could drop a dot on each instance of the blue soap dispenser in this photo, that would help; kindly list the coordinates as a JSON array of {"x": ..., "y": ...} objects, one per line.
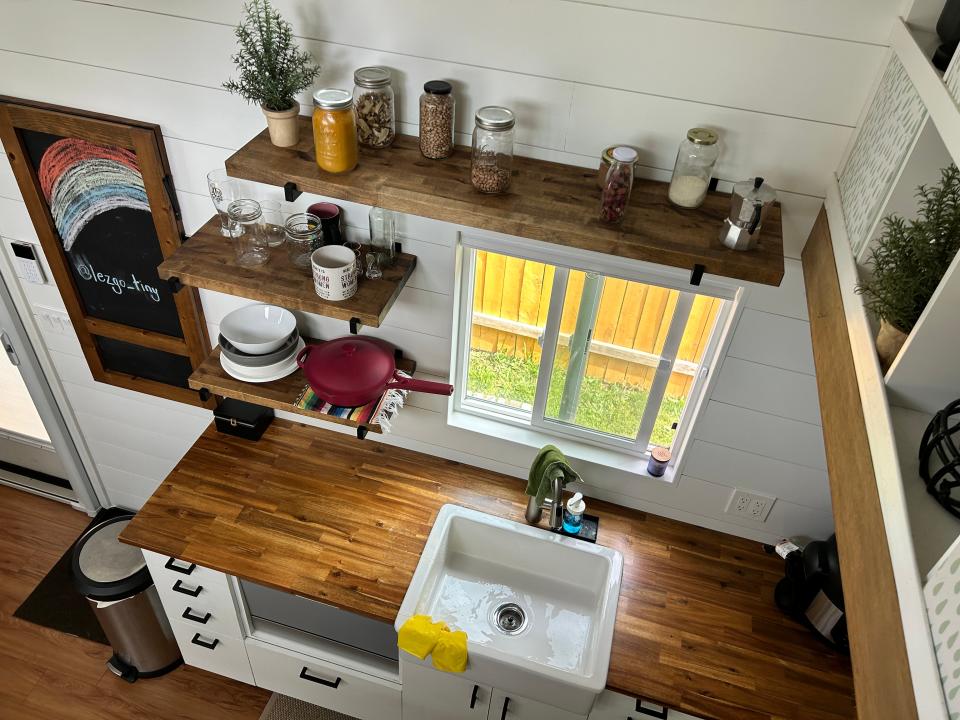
[{"x": 573, "y": 514}]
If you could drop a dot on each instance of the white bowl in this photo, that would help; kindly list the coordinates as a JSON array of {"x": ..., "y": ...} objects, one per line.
[
  {"x": 258, "y": 329},
  {"x": 264, "y": 374}
]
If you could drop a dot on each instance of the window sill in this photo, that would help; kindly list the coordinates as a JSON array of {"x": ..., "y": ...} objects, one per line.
[{"x": 572, "y": 448}]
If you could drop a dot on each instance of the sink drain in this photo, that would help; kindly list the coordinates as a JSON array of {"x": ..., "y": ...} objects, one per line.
[{"x": 510, "y": 618}]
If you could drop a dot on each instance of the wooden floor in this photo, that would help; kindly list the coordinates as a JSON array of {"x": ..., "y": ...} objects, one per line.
[{"x": 50, "y": 675}]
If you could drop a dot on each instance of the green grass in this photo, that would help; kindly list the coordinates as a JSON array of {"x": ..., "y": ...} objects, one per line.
[{"x": 607, "y": 407}]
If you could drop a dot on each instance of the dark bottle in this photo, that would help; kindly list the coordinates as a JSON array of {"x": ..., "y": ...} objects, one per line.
[{"x": 948, "y": 28}]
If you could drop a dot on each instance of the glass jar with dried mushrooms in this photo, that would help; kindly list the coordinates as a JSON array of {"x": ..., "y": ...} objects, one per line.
[{"x": 375, "y": 107}]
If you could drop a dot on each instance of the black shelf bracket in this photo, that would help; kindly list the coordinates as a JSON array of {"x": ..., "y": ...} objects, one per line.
[
  {"x": 204, "y": 394},
  {"x": 362, "y": 432},
  {"x": 397, "y": 247},
  {"x": 175, "y": 285},
  {"x": 172, "y": 196},
  {"x": 697, "y": 274},
  {"x": 290, "y": 191},
  {"x": 712, "y": 187},
  {"x": 355, "y": 325}
]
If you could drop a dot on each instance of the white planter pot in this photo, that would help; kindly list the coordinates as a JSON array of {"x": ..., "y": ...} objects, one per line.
[{"x": 284, "y": 126}]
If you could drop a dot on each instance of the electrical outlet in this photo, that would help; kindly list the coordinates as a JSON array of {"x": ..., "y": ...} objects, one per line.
[{"x": 750, "y": 505}]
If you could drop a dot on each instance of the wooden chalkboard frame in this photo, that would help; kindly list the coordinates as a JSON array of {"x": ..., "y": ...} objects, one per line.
[{"x": 146, "y": 142}]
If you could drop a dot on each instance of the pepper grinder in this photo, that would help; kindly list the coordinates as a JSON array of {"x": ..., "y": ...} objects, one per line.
[{"x": 749, "y": 204}]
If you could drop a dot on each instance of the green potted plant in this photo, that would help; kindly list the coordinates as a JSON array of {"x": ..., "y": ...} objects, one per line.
[
  {"x": 909, "y": 260},
  {"x": 272, "y": 69}
]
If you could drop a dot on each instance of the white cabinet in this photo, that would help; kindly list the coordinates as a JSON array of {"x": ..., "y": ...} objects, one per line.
[
  {"x": 432, "y": 695},
  {"x": 615, "y": 706},
  {"x": 221, "y": 654},
  {"x": 510, "y": 706},
  {"x": 202, "y": 612},
  {"x": 323, "y": 683}
]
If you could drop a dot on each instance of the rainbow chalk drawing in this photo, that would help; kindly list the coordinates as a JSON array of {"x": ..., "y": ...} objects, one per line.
[{"x": 82, "y": 180}]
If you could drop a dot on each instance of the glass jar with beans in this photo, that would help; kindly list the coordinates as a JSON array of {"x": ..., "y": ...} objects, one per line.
[
  {"x": 436, "y": 120},
  {"x": 616, "y": 189},
  {"x": 492, "y": 162}
]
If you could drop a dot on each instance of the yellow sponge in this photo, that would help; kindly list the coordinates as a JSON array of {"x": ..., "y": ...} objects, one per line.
[
  {"x": 450, "y": 653},
  {"x": 419, "y": 634}
]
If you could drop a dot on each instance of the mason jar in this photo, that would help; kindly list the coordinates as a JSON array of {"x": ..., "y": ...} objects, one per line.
[
  {"x": 693, "y": 169},
  {"x": 304, "y": 234},
  {"x": 616, "y": 188},
  {"x": 334, "y": 130},
  {"x": 246, "y": 229},
  {"x": 492, "y": 162},
  {"x": 374, "y": 106}
]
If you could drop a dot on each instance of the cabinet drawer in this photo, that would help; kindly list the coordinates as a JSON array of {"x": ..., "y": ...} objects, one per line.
[
  {"x": 616, "y": 706},
  {"x": 178, "y": 580},
  {"x": 206, "y": 615},
  {"x": 220, "y": 654},
  {"x": 323, "y": 683}
]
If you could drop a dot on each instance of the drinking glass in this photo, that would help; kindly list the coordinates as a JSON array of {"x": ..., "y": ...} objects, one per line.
[
  {"x": 273, "y": 222},
  {"x": 246, "y": 229},
  {"x": 223, "y": 191}
]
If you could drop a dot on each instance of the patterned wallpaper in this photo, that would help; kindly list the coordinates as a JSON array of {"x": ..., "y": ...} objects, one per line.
[
  {"x": 889, "y": 129},
  {"x": 942, "y": 596}
]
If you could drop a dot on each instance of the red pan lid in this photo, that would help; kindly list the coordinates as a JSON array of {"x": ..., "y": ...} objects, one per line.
[{"x": 355, "y": 365}]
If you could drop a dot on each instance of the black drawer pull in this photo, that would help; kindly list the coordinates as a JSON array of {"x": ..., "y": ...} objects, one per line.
[
  {"x": 203, "y": 643},
  {"x": 170, "y": 564},
  {"x": 313, "y": 678},
  {"x": 660, "y": 714},
  {"x": 188, "y": 615},
  {"x": 179, "y": 587},
  {"x": 506, "y": 704},
  {"x": 473, "y": 696}
]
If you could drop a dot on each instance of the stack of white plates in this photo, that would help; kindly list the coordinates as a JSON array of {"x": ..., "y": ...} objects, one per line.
[{"x": 259, "y": 343}]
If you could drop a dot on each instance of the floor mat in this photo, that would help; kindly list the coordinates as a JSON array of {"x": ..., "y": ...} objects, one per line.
[
  {"x": 55, "y": 603},
  {"x": 281, "y": 707}
]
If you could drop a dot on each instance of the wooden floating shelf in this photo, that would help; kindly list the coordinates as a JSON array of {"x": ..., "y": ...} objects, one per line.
[
  {"x": 280, "y": 394},
  {"x": 206, "y": 261},
  {"x": 547, "y": 201}
]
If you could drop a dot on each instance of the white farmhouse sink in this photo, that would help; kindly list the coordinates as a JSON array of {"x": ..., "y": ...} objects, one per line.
[{"x": 538, "y": 608}]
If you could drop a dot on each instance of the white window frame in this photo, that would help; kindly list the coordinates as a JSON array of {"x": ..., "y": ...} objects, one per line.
[{"x": 564, "y": 260}]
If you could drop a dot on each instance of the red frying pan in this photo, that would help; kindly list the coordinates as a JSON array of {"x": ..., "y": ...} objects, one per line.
[{"x": 353, "y": 371}]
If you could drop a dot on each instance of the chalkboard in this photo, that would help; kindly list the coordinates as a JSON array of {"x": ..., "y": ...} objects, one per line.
[
  {"x": 99, "y": 192},
  {"x": 112, "y": 254},
  {"x": 144, "y": 362}
]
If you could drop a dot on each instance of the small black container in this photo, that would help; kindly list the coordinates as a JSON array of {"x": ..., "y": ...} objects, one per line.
[{"x": 242, "y": 419}]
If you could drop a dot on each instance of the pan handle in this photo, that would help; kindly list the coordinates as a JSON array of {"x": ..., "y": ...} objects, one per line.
[
  {"x": 302, "y": 356},
  {"x": 426, "y": 386}
]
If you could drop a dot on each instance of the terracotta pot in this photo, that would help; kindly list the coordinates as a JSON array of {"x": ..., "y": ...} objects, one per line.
[
  {"x": 889, "y": 341},
  {"x": 284, "y": 126}
]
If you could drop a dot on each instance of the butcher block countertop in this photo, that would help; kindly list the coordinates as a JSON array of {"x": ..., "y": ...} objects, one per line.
[{"x": 343, "y": 521}]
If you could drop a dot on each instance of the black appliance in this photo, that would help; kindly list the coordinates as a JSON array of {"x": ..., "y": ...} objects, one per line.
[{"x": 812, "y": 592}]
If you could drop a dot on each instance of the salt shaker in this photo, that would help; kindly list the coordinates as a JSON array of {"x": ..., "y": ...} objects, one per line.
[{"x": 693, "y": 169}]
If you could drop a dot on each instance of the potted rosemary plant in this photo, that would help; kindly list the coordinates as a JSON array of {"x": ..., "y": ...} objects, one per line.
[
  {"x": 272, "y": 69},
  {"x": 909, "y": 260}
]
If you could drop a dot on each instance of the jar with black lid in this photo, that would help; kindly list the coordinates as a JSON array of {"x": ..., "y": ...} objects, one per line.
[{"x": 436, "y": 119}]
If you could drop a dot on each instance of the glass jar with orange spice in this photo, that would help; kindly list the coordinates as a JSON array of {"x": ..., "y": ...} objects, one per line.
[{"x": 334, "y": 130}]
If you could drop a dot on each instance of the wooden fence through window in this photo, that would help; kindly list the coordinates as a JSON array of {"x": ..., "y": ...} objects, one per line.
[{"x": 512, "y": 296}]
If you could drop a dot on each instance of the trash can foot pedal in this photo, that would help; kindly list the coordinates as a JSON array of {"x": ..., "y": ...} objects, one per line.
[{"x": 122, "y": 669}]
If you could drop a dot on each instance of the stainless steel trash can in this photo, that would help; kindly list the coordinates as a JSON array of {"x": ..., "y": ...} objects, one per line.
[{"x": 116, "y": 582}]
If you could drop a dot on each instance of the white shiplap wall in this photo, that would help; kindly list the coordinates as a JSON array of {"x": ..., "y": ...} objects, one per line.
[{"x": 783, "y": 84}]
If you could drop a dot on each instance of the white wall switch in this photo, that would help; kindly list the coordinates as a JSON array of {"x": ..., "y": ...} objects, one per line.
[
  {"x": 749, "y": 505},
  {"x": 26, "y": 262}
]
